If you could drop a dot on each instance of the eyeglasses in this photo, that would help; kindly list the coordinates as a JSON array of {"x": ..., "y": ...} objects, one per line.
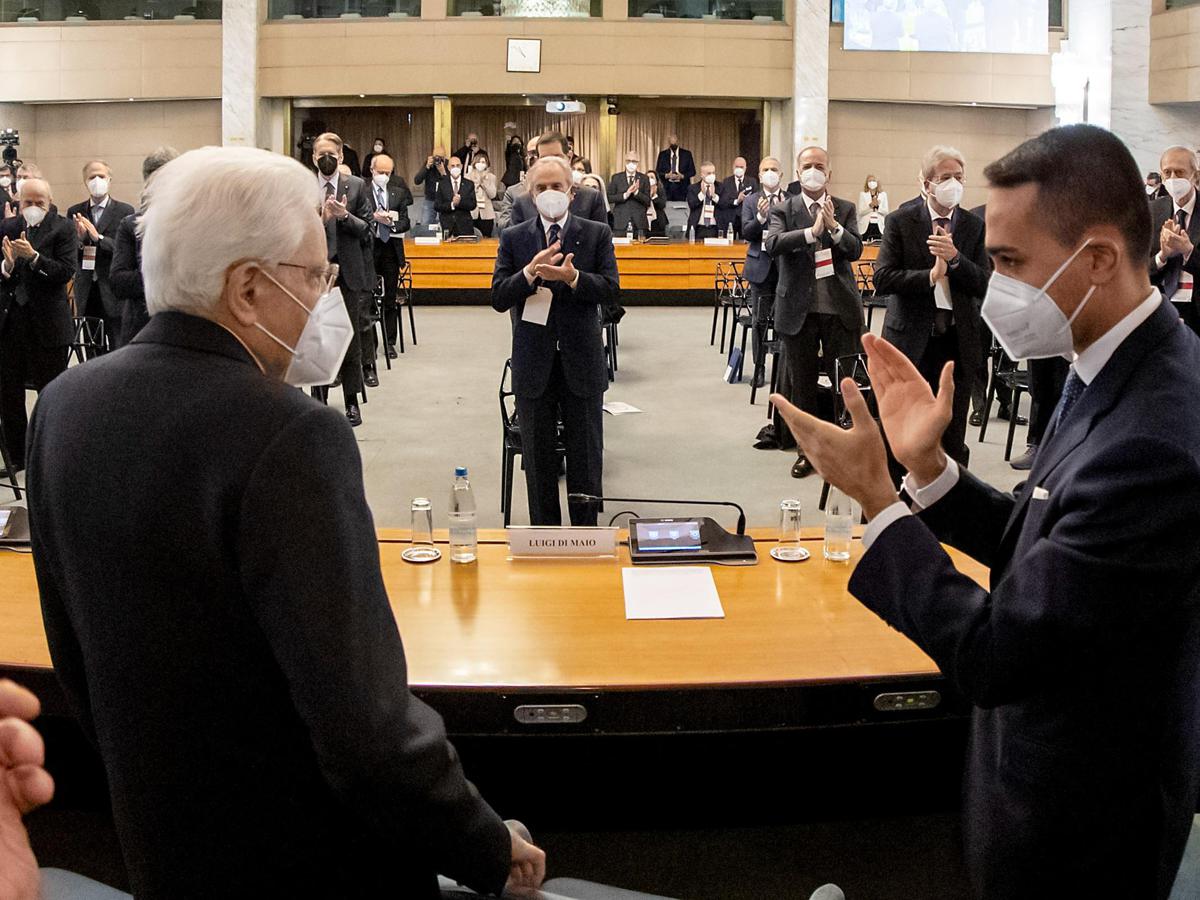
[{"x": 322, "y": 277}]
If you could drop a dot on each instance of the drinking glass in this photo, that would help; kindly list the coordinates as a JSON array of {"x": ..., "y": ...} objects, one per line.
[
  {"x": 789, "y": 549},
  {"x": 839, "y": 525},
  {"x": 422, "y": 549}
]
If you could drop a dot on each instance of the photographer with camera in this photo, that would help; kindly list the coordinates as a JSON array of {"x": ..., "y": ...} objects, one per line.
[{"x": 432, "y": 177}]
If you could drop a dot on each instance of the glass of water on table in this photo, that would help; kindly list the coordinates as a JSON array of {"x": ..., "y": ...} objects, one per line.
[
  {"x": 840, "y": 515},
  {"x": 789, "y": 549}
]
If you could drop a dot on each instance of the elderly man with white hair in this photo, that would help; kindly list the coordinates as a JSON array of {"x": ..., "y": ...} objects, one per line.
[
  {"x": 553, "y": 273},
  {"x": 39, "y": 248},
  {"x": 934, "y": 264},
  {"x": 210, "y": 577}
]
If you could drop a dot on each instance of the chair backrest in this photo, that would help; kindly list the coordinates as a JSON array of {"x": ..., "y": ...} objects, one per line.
[
  {"x": 864, "y": 272},
  {"x": 852, "y": 366},
  {"x": 87, "y": 337},
  {"x": 507, "y": 417}
]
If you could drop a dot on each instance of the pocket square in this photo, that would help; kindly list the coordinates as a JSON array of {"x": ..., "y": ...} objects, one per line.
[{"x": 1040, "y": 493}]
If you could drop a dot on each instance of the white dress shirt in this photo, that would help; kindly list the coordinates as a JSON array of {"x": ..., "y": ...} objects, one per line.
[
  {"x": 1188, "y": 208},
  {"x": 1087, "y": 366}
]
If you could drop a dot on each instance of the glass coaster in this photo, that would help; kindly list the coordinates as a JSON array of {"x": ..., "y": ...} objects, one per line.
[
  {"x": 789, "y": 554},
  {"x": 422, "y": 553}
]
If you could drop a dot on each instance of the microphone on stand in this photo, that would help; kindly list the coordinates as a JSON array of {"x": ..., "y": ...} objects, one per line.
[{"x": 595, "y": 500}]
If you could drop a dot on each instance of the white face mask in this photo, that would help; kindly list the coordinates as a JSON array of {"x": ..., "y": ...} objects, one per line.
[
  {"x": 34, "y": 216},
  {"x": 812, "y": 179},
  {"x": 378, "y": 148},
  {"x": 1178, "y": 188},
  {"x": 739, "y": 172},
  {"x": 710, "y": 178},
  {"x": 631, "y": 167},
  {"x": 20, "y": 181},
  {"x": 576, "y": 176},
  {"x": 1026, "y": 321},
  {"x": 98, "y": 186},
  {"x": 480, "y": 167},
  {"x": 323, "y": 342},
  {"x": 1150, "y": 189},
  {"x": 948, "y": 193},
  {"x": 552, "y": 204},
  {"x": 5, "y": 180},
  {"x": 872, "y": 185},
  {"x": 455, "y": 171},
  {"x": 770, "y": 179},
  {"x": 381, "y": 178}
]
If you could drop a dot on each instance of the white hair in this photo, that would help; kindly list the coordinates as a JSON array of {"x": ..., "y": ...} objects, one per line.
[
  {"x": 211, "y": 208},
  {"x": 938, "y": 155}
]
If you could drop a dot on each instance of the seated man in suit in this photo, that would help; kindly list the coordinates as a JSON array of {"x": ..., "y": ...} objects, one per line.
[
  {"x": 1083, "y": 657},
  {"x": 731, "y": 195},
  {"x": 813, "y": 239},
  {"x": 702, "y": 203},
  {"x": 933, "y": 263},
  {"x": 241, "y": 646},
  {"x": 585, "y": 204},
  {"x": 39, "y": 251},
  {"x": 455, "y": 200},
  {"x": 390, "y": 199},
  {"x": 346, "y": 209},
  {"x": 125, "y": 274},
  {"x": 1175, "y": 267},
  {"x": 97, "y": 221},
  {"x": 629, "y": 197},
  {"x": 676, "y": 168},
  {"x": 760, "y": 269},
  {"x": 552, "y": 274}
]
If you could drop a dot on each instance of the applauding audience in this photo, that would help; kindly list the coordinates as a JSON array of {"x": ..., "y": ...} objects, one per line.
[{"x": 97, "y": 221}]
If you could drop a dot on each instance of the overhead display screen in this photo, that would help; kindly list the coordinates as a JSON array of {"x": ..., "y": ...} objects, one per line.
[{"x": 948, "y": 26}]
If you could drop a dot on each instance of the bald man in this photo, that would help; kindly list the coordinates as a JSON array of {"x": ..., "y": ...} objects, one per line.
[
  {"x": 39, "y": 248},
  {"x": 390, "y": 198},
  {"x": 732, "y": 195}
]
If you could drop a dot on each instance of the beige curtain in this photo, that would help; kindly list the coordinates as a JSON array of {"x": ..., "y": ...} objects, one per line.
[
  {"x": 488, "y": 123},
  {"x": 711, "y": 134},
  {"x": 405, "y": 131}
]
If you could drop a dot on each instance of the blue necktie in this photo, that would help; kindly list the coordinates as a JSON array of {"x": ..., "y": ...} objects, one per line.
[
  {"x": 385, "y": 231},
  {"x": 1072, "y": 390},
  {"x": 552, "y": 234}
]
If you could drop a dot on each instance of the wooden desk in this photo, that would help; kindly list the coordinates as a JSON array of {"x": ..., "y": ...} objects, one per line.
[
  {"x": 651, "y": 267},
  {"x": 794, "y": 648}
]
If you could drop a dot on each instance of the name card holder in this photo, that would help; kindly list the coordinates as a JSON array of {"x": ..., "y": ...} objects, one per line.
[
  {"x": 621, "y": 241},
  {"x": 533, "y": 542},
  {"x": 718, "y": 242},
  {"x": 427, "y": 241}
]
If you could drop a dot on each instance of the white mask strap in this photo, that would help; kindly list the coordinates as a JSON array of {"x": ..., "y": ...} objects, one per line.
[
  {"x": 1063, "y": 267},
  {"x": 291, "y": 350}
]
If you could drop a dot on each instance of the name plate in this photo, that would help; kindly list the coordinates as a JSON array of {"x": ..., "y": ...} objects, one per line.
[
  {"x": 427, "y": 241},
  {"x": 621, "y": 241},
  {"x": 718, "y": 242},
  {"x": 529, "y": 541}
]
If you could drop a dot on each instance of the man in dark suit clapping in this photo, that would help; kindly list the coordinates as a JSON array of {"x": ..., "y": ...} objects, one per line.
[
  {"x": 629, "y": 197},
  {"x": 760, "y": 269},
  {"x": 813, "y": 239},
  {"x": 702, "y": 203},
  {"x": 346, "y": 211},
  {"x": 39, "y": 249},
  {"x": 676, "y": 168},
  {"x": 455, "y": 200},
  {"x": 1082, "y": 654},
  {"x": 731, "y": 196},
  {"x": 97, "y": 221},
  {"x": 390, "y": 199},
  {"x": 933, "y": 263},
  {"x": 552, "y": 274}
]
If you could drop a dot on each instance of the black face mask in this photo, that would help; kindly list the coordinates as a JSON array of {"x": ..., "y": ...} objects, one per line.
[
  {"x": 674, "y": 145},
  {"x": 327, "y": 164}
]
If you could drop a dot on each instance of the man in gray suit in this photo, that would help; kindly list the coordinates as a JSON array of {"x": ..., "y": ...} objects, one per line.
[
  {"x": 813, "y": 238},
  {"x": 345, "y": 211}
]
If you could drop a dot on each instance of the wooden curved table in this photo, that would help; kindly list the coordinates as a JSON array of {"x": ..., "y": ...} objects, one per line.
[{"x": 794, "y": 649}]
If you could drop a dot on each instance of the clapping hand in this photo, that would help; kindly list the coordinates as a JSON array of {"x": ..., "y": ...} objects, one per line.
[
  {"x": 818, "y": 225},
  {"x": 827, "y": 215},
  {"x": 1173, "y": 240},
  {"x": 553, "y": 271},
  {"x": 941, "y": 244},
  {"x": 9, "y": 256},
  {"x": 85, "y": 228},
  {"x": 24, "y": 785},
  {"x": 21, "y": 247},
  {"x": 528, "y": 867},
  {"x": 336, "y": 209},
  {"x": 764, "y": 206},
  {"x": 548, "y": 256},
  {"x": 381, "y": 217}
]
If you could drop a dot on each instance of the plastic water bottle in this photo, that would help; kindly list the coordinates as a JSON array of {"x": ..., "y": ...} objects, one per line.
[
  {"x": 462, "y": 519},
  {"x": 629, "y": 233},
  {"x": 729, "y": 233}
]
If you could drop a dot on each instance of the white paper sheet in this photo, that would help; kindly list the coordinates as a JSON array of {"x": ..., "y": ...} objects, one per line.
[
  {"x": 617, "y": 408},
  {"x": 537, "y": 306},
  {"x": 675, "y": 592}
]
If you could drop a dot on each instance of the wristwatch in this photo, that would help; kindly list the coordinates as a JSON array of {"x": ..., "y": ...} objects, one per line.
[{"x": 953, "y": 264}]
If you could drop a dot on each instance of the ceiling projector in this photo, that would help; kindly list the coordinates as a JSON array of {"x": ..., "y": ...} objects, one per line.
[{"x": 565, "y": 107}]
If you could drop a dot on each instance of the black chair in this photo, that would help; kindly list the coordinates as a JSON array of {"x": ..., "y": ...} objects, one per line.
[
  {"x": 864, "y": 275},
  {"x": 1002, "y": 370},
  {"x": 88, "y": 340},
  {"x": 375, "y": 317},
  {"x": 404, "y": 297},
  {"x": 729, "y": 288},
  {"x": 511, "y": 445},
  {"x": 772, "y": 347},
  {"x": 11, "y": 482},
  {"x": 610, "y": 348}
]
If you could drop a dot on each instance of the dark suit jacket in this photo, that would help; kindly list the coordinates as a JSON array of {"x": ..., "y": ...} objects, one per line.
[
  {"x": 456, "y": 220},
  {"x": 110, "y": 222},
  {"x": 466, "y": 156},
  {"x": 728, "y": 210},
  {"x": 41, "y": 286},
  {"x": 348, "y": 238},
  {"x": 659, "y": 202},
  {"x": 587, "y": 204},
  {"x": 574, "y": 323},
  {"x": 696, "y": 205},
  {"x": 1167, "y": 278},
  {"x": 238, "y": 664},
  {"x": 759, "y": 267},
  {"x": 632, "y": 210},
  {"x": 796, "y": 259},
  {"x": 902, "y": 271},
  {"x": 676, "y": 191},
  {"x": 1083, "y": 661},
  {"x": 398, "y": 199},
  {"x": 125, "y": 274},
  {"x": 795, "y": 188}
]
